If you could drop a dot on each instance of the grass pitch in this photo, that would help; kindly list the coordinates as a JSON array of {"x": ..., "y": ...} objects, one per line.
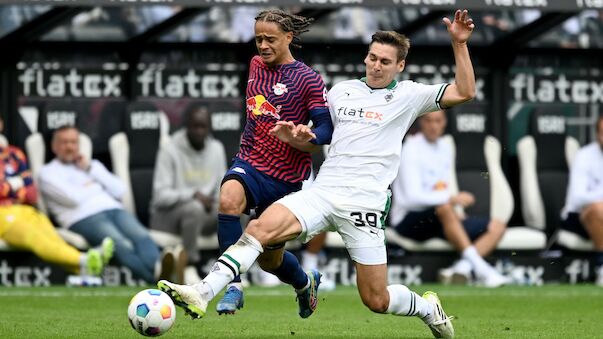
[{"x": 554, "y": 311}]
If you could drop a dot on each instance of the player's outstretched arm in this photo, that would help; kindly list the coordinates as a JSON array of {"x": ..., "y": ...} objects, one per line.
[
  {"x": 463, "y": 88},
  {"x": 298, "y": 136}
]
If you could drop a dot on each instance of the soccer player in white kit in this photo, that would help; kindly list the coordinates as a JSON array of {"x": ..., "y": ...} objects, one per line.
[{"x": 350, "y": 194}]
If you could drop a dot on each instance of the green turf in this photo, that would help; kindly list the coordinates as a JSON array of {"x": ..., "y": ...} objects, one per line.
[{"x": 555, "y": 311}]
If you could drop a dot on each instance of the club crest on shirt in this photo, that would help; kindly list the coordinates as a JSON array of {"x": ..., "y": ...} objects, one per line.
[
  {"x": 389, "y": 97},
  {"x": 279, "y": 89}
]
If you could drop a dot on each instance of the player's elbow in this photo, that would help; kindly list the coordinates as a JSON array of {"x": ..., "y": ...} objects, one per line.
[{"x": 467, "y": 95}]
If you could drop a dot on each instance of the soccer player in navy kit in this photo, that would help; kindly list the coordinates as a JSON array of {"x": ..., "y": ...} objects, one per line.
[{"x": 279, "y": 88}]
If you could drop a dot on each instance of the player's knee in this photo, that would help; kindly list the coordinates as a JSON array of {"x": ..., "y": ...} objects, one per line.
[
  {"x": 377, "y": 303},
  {"x": 193, "y": 209},
  {"x": 232, "y": 204},
  {"x": 269, "y": 263},
  {"x": 445, "y": 212},
  {"x": 497, "y": 227},
  {"x": 256, "y": 230}
]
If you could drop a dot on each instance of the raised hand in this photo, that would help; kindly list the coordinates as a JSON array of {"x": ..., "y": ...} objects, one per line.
[{"x": 461, "y": 28}]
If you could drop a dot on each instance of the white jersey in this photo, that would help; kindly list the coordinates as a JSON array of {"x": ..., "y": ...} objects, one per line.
[
  {"x": 423, "y": 180},
  {"x": 369, "y": 127},
  {"x": 586, "y": 179}
]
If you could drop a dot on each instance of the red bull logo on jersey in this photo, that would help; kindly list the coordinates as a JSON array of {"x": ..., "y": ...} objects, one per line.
[
  {"x": 258, "y": 105},
  {"x": 359, "y": 112},
  {"x": 280, "y": 89}
]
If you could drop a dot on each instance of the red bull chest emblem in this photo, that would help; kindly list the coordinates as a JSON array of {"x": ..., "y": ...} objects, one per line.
[
  {"x": 258, "y": 105},
  {"x": 279, "y": 89}
]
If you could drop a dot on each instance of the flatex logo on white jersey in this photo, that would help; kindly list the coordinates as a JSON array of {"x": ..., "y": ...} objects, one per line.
[{"x": 358, "y": 114}]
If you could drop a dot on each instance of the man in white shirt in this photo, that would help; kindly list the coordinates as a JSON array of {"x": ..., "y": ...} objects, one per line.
[
  {"x": 422, "y": 204},
  {"x": 85, "y": 197},
  {"x": 583, "y": 211},
  {"x": 350, "y": 194}
]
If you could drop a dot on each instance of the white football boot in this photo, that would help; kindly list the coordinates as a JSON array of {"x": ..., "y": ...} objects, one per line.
[
  {"x": 441, "y": 327},
  {"x": 186, "y": 297}
]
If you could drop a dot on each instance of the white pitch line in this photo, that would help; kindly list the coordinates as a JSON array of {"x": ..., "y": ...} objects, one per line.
[{"x": 477, "y": 292}]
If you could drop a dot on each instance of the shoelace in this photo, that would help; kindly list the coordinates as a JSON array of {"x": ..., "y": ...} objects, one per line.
[
  {"x": 442, "y": 321},
  {"x": 231, "y": 296}
]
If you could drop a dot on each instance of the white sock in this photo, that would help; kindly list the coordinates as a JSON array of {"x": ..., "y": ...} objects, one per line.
[
  {"x": 462, "y": 266},
  {"x": 481, "y": 267},
  {"x": 235, "y": 260},
  {"x": 309, "y": 261},
  {"x": 405, "y": 302}
]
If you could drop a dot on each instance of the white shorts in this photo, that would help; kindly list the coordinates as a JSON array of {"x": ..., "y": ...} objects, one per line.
[{"x": 355, "y": 215}]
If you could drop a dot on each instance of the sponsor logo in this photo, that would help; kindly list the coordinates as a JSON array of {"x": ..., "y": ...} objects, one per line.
[
  {"x": 239, "y": 170},
  {"x": 258, "y": 105},
  {"x": 280, "y": 89},
  {"x": 440, "y": 186},
  {"x": 528, "y": 87},
  {"x": 360, "y": 113},
  {"x": 144, "y": 120},
  {"x": 56, "y": 119},
  {"x": 471, "y": 123},
  {"x": 24, "y": 275},
  {"x": 551, "y": 124},
  {"x": 58, "y": 83},
  {"x": 162, "y": 83},
  {"x": 225, "y": 121}
]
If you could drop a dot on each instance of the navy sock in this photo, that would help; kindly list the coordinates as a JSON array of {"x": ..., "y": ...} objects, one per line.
[
  {"x": 290, "y": 271},
  {"x": 229, "y": 232}
]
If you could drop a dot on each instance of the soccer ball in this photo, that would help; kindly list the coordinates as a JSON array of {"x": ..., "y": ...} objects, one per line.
[{"x": 151, "y": 312}]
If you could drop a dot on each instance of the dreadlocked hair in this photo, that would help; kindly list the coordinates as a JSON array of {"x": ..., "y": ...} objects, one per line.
[{"x": 295, "y": 24}]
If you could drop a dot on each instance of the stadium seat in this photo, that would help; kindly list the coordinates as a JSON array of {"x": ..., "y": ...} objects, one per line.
[
  {"x": 478, "y": 170},
  {"x": 544, "y": 157},
  {"x": 133, "y": 152}
]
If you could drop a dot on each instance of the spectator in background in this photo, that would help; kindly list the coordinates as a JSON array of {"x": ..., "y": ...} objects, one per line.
[
  {"x": 424, "y": 207},
  {"x": 186, "y": 185},
  {"x": 23, "y": 227},
  {"x": 583, "y": 211},
  {"x": 85, "y": 197}
]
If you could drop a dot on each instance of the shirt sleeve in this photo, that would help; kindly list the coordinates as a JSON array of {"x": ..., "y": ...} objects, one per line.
[
  {"x": 27, "y": 193},
  {"x": 56, "y": 187},
  {"x": 110, "y": 182},
  {"x": 578, "y": 192},
  {"x": 427, "y": 97}
]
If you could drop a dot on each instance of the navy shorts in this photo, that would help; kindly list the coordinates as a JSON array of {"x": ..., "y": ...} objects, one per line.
[
  {"x": 425, "y": 224},
  {"x": 261, "y": 190},
  {"x": 572, "y": 223}
]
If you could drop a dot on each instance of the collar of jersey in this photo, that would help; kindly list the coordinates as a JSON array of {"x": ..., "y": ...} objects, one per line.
[
  {"x": 282, "y": 66},
  {"x": 390, "y": 86}
]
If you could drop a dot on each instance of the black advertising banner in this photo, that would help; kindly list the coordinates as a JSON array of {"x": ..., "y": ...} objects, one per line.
[
  {"x": 173, "y": 87},
  {"x": 568, "y": 99},
  {"x": 550, "y": 5}
]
